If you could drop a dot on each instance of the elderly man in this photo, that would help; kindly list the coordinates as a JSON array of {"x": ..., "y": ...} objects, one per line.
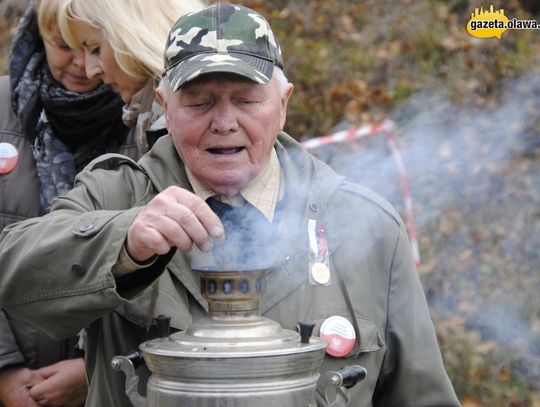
[{"x": 113, "y": 253}]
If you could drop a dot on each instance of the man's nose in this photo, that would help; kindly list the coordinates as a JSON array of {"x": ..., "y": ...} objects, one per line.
[{"x": 224, "y": 119}]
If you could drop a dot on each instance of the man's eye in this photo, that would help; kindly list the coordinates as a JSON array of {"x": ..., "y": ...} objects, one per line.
[
  {"x": 248, "y": 101},
  {"x": 198, "y": 104}
]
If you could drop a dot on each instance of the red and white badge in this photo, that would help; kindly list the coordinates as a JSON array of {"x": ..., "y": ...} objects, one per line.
[
  {"x": 339, "y": 333},
  {"x": 8, "y": 158}
]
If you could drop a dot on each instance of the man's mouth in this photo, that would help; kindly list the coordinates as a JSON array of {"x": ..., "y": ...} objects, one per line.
[{"x": 225, "y": 150}]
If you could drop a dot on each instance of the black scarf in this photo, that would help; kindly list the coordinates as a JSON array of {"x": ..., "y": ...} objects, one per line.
[{"x": 67, "y": 129}]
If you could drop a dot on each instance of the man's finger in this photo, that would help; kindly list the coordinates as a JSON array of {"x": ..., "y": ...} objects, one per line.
[
  {"x": 191, "y": 230},
  {"x": 206, "y": 216}
]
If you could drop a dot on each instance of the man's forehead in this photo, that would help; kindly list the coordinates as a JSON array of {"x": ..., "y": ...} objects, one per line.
[{"x": 219, "y": 78}]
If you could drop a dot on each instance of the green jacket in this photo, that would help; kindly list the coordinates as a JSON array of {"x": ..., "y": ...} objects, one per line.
[
  {"x": 67, "y": 258},
  {"x": 19, "y": 342}
]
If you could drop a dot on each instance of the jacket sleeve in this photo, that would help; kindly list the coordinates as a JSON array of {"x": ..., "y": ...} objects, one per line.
[
  {"x": 412, "y": 373},
  {"x": 57, "y": 269},
  {"x": 9, "y": 350}
]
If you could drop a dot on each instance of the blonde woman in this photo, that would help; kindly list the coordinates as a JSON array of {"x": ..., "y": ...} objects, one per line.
[
  {"x": 123, "y": 42},
  {"x": 53, "y": 121}
]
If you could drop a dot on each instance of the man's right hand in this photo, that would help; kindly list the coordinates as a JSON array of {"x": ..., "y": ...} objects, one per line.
[
  {"x": 174, "y": 217},
  {"x": 15, "y": 384}
]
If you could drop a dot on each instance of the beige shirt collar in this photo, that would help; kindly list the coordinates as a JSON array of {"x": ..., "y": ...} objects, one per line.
[{"x": 263, "y": 192}]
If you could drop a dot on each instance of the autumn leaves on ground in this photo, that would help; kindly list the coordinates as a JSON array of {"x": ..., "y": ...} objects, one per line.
[{"x": 467, "y": 115}]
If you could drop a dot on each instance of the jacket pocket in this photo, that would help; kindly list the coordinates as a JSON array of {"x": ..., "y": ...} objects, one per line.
[{"x": 368, "y": 338}]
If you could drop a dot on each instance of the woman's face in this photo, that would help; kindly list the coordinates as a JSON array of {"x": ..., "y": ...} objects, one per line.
[
  {"x": 67, "y": 65},
  {"x": 101, "y": 62}
]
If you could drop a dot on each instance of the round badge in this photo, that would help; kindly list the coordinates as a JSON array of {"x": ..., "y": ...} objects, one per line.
[
  {"x": 8, "y": 158},
  {"x": 339, "y": 333},
  {"x": 320, "y": 273}
]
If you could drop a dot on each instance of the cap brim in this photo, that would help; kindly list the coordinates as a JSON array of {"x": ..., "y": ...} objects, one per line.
[{"x": 256, "y": 69}]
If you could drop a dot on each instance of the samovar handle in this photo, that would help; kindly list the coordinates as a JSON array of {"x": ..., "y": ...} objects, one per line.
[
  {"x": 127, "y": 365},
  {"x": 332, "y": 386}
]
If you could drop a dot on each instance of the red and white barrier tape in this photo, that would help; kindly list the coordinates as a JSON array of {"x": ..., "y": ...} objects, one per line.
[{"x": 387, "y": 128}]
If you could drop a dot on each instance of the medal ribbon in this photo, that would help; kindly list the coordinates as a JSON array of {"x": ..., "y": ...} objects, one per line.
[{"x": 317, "y": 239}]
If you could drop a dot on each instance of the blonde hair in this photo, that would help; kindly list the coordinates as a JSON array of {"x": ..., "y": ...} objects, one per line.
[
  {"x": 137, "y": 30},
  {"x": 48, "y": 12}
]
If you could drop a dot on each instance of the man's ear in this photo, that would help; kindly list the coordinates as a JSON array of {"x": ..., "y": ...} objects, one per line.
[
  {"x": 284, "y": 103},
  {"x": 161, "y": 98}
]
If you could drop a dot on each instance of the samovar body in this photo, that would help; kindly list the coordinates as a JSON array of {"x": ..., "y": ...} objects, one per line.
[{"x": 235, "y": 357}]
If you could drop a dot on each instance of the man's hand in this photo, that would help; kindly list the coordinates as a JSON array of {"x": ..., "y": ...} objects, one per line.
[
  {"x": 15, "y": 384},
  {"x": 64, "y": 384},
  {"x": 174, "y": 217}
]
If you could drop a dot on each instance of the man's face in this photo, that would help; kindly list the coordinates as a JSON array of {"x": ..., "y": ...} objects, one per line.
[{"x": 224, "y": 127}]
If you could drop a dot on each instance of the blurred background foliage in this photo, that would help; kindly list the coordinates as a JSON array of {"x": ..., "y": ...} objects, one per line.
[
  {"x": 360, "y": 59},
  {"x": 467, "y": 115}
]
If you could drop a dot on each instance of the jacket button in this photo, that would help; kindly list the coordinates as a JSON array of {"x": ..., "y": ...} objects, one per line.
[
  {"x": 78, "y": 269},
  {"x": 86, "y": 227}
]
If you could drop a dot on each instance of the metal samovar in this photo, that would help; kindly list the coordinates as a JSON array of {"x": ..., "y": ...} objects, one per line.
[{"x": 235, "y": 357}]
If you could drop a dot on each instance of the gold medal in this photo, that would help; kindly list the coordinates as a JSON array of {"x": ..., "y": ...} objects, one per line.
[{"x": 320, "y": 273}]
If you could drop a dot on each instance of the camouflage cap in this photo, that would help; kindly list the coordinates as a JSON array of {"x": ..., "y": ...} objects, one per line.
[{"x": 221, "y": 38}]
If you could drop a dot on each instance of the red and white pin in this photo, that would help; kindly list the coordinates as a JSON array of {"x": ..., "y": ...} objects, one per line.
[
  {"x": 8, "y": 158},
  {"x": 339, "y": 332}
]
